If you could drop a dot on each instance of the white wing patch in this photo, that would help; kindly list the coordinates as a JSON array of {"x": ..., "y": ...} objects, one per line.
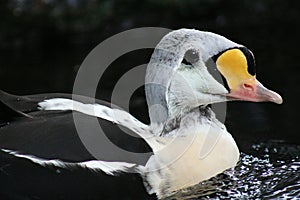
[
  {"x": 114, "y": 115},
  {"x": 67, "y": 104},
  {"x": 110, "y": 168}
]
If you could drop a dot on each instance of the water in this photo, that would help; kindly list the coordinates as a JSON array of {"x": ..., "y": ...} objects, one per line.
[{"x": 271, "y": 171}]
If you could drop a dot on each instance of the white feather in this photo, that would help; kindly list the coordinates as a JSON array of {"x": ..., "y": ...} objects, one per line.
[
  {"x": 110, "y": 168},
  {"x": 114, "y": 115}
]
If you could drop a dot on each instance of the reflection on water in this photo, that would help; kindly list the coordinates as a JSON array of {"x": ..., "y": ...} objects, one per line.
[{"x": 273, "y": 171}]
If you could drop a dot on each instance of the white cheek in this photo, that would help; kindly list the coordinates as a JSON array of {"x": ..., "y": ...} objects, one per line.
[
  {"x": 193, "y": 87},
  {"x": 198, "y": 79}
]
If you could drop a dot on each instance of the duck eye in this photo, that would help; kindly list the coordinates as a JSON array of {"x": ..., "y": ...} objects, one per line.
[{"x": 191, "y": 56}]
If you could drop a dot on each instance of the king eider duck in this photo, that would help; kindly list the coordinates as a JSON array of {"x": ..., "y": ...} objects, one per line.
[{"x": 188, "y": 143}]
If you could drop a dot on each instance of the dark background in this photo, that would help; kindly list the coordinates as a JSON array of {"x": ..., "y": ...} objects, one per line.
[{"x": 43, "y": 42}]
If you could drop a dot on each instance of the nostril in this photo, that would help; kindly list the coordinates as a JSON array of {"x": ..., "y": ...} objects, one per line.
[{"x": 248, "y": 86}]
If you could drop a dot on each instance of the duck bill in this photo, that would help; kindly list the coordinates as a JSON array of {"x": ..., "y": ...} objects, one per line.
[{"x": 254, "y": 91}]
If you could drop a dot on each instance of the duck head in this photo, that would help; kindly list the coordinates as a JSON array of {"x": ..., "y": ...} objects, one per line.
[{"x": 179, "y": 77}]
